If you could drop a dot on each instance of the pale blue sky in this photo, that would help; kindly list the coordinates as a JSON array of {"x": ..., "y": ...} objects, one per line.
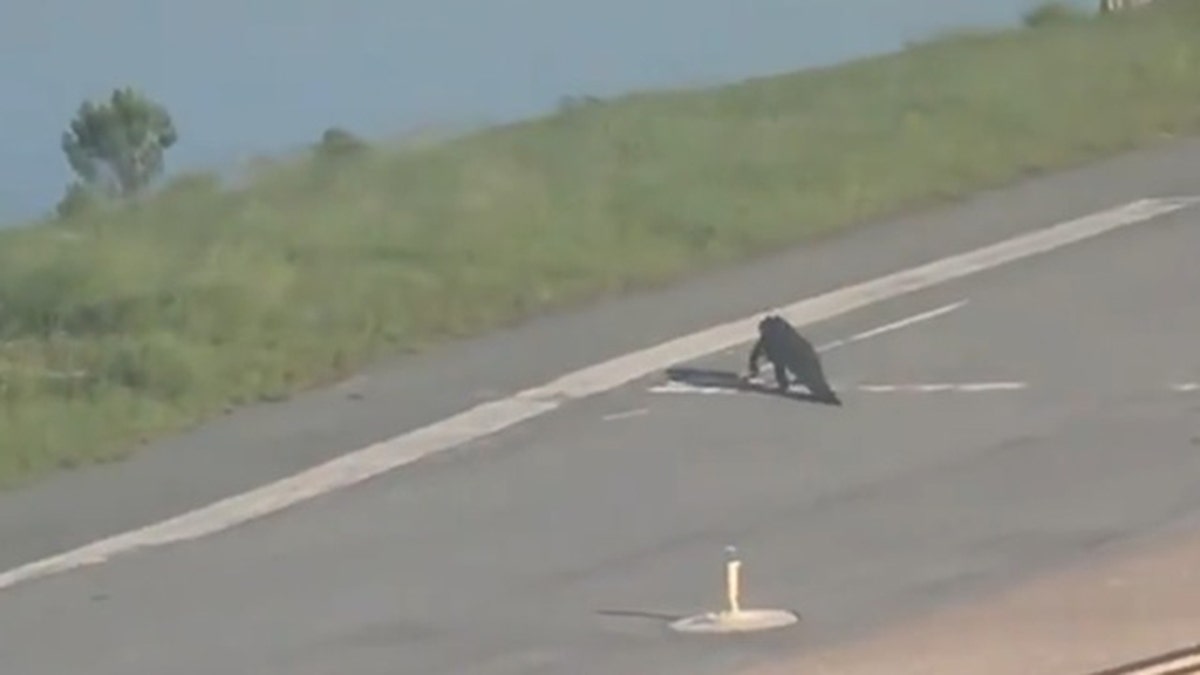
[{"x": 244, "y": 77}]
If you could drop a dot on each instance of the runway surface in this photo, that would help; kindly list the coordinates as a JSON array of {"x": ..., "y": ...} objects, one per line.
[
  {"x": 564, "y": 544},
  {"x": 1128, "y": 611},
  {"x": 262, "y": 443}
]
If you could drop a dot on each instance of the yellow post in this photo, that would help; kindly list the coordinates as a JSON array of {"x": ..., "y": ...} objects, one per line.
[{"x": 733, "y": 568}]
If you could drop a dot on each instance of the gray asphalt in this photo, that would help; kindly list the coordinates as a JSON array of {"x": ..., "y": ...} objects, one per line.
[
  {"x": 560, "y": 545},
  {"x": 262, "y": 443}
]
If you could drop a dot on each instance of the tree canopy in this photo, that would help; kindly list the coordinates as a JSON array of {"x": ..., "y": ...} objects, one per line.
[{"x": 116, "y": 146}]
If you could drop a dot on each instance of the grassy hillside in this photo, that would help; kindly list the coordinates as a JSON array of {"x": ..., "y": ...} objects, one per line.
[{"x": 125, "y": 324}]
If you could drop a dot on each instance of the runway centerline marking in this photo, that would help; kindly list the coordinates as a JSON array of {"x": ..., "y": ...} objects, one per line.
[
  {"x": 938, "y": 387},
  {"x": 488, "y": 418}
]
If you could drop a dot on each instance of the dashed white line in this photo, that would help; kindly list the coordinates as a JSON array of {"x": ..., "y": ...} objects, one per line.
[
  {"x": 993, "y": 386},
  {"x": 937, "y": 387},
  {"x": 1186, "y": 387},
  {"x": 685, "y": 388},
  {"x": 626, "y": 415},
  {"x": 489, "y": 418}
]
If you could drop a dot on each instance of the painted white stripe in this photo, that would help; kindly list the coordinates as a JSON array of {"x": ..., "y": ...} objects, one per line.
[
  {"x": 1186, "y": 387},
  {"x": 938, "y": 387},
  {"x": 894, "y": 326},
  {"x": 494, "y": 416},
  {"x": 914, "y": 388},
  {"x": 992, "y": 386},
  {"x": 685, "y": 388},
  {"x": 626, "y": 415},
  {"x": 1175, "y": 666}
]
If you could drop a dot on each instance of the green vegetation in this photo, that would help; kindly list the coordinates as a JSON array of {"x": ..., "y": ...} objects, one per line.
[
  {"x": 1049, "y": 13},
  {"x": 149, "y": 315},
  {"x": 116, "y": 148}
]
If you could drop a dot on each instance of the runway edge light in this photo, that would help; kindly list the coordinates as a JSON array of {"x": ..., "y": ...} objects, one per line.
[{"x": 734, "y": 618}]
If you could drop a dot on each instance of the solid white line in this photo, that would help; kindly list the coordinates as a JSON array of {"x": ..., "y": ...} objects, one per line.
[
  {"x": 889, "y": 327},
  {"x": 919, "y": 387},
  {"x": 494, "y": 416},
  {"x": 1170, "y": 667},
  {"x": 894, "y": 326}
]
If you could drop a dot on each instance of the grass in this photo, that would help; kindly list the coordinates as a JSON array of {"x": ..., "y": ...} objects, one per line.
[{"x": 129, "y": 323}]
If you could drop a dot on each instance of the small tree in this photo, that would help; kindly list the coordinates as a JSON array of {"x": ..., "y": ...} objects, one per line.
[
  {"x": 1053, "y": 12},
  {"x": 117, "y": 146},
  {"x": 337, "y": 142}
]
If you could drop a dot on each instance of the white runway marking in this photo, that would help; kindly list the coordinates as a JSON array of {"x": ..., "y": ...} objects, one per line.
[
  {"x": 627, "y": 414},
  {"x": 992, "y": 386},
  {"x": 685, "y": 388},
  {"x": 893, "y": 326},
  {"x": 1186, "y": 387},
  {"x": 908, "y": 388},
  {"x": 937, "y": 387},
  {"x": 488, "y": 418},
  {"x": 1187, "y": 663}
]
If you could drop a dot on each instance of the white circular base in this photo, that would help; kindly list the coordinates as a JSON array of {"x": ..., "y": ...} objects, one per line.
[{"x": 744, "y": 621}]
